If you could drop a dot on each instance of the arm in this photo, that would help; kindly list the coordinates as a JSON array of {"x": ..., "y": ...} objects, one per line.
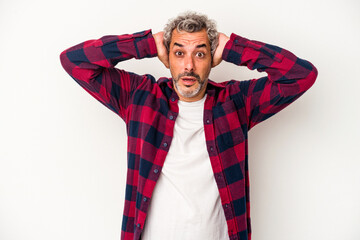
[
  {"x": 92, "y": 65},
  {"x": 288, "y": 76}
]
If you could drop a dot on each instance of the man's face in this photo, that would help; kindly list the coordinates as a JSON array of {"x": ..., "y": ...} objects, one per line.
[{"x": 190, "y": 63}]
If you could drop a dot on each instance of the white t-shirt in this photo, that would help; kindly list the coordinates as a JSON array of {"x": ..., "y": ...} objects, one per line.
[{"x": 186, "y": 203}]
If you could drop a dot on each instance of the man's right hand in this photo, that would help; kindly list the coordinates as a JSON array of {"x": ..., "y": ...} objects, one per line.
[{"x": 161, "y": 49}]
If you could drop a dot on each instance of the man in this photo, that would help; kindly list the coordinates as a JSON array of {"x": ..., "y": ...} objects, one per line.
[{"x": 187, "y": 135}]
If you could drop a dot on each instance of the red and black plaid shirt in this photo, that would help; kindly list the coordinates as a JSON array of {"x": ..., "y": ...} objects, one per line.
[{"x": 149, "y": 109}]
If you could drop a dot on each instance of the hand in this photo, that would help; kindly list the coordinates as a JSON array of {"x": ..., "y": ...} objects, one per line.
[
  {"x": 161, "y": 49},
  {"x": 217, "y": 58}
]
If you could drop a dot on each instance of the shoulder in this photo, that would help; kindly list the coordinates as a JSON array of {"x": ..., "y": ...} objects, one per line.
[{"x": 227, "y": 89}]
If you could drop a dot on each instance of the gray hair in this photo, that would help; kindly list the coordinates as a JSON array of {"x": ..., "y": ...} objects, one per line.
[{"x": 192, "y": 22}]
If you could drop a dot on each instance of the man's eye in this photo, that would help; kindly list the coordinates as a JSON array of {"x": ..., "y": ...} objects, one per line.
[
  {"x": 178, "y": 53},
  {"x": 200, "y": 54}
]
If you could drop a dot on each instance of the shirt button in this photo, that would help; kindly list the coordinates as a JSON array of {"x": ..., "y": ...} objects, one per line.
[
  {"x": 207, "y": 121},
  {"x": 173, "y": 99},
  {"x": 138, "y": 225},
  {"x": 226, "y": 205},
  {"x": 145, "y": 199},
  {"x": 211, "y": 149},
  {"x": 156, "y": 170},
  {"x": 171, "y": 117},
  {"x": 165, "y": 144}
]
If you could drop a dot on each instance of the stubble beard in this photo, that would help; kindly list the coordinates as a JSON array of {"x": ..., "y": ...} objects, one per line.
[{"x": 187, "y": 92}]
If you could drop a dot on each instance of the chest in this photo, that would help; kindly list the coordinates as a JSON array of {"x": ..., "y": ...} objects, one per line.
[{"x": 153, "y": 117}]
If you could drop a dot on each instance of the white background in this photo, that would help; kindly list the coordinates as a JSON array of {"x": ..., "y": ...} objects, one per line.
[{"x": 63, "y": 154}]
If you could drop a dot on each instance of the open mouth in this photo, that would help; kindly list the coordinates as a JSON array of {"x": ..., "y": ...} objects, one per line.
[{"x": 188, "y": 81}]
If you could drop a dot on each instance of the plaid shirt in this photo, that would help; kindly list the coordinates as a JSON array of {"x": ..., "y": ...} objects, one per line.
[{"x": 149, "y": 109}]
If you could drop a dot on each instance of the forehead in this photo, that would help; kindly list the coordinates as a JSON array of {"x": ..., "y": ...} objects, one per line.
[{"x": 185, "y": 38}]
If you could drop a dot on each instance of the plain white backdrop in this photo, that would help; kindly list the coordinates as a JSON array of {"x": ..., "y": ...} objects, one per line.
[{"x": 63, "y": 154}]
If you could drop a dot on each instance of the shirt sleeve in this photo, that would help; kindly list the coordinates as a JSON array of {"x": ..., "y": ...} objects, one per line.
[
  {"x": 92, "y": 65},
  {"x": 288, "y": 76}
]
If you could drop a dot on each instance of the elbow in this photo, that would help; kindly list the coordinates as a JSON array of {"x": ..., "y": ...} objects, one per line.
[
  {"x": 311, "y": 75},
  {"x": 64, "y": 61}
]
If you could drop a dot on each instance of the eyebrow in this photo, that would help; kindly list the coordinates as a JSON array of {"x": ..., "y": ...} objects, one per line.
[
  {"x": 201, "y": 45},
  {"x": 198, "y": 46}
]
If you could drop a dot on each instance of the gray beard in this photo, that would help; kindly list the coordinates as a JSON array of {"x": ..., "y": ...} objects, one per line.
[{"x": 188, "y": 93}]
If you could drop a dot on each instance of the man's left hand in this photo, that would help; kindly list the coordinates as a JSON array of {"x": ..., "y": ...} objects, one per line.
[{"x": 217, "y": 58}]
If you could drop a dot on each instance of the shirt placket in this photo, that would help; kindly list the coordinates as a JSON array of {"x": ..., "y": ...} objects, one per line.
[
  {"x": 217, "y": 167},
  {"x": 158, "y": 164}
]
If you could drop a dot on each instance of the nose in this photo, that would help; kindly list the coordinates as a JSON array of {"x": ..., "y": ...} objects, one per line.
[{"x": 189, "y": 63}]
